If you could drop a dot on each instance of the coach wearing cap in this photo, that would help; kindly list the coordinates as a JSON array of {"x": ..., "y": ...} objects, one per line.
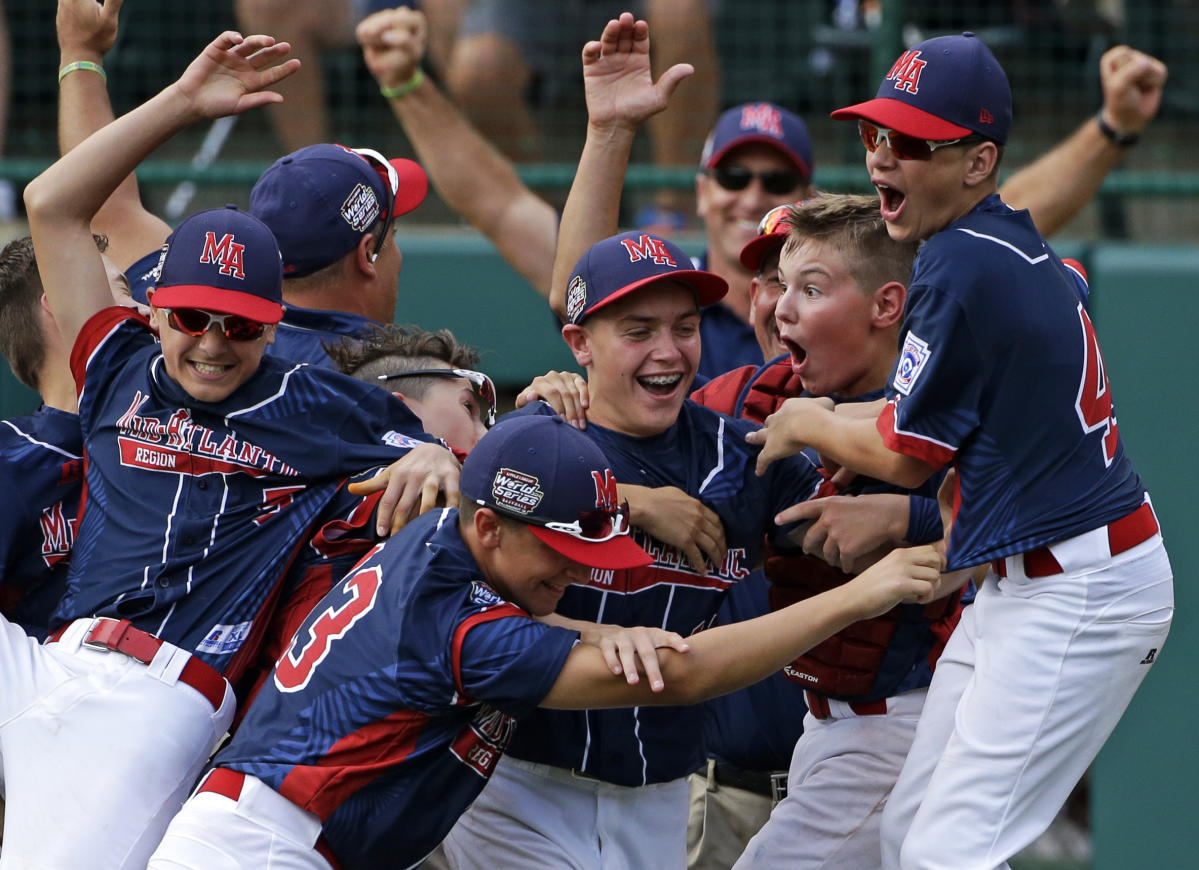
[{"x": 331, "y": 209}]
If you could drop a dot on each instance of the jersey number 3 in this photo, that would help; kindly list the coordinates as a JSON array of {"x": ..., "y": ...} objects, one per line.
[
  {"x": 310, "y": 646},
  {"x": 1094, "y": 402}
]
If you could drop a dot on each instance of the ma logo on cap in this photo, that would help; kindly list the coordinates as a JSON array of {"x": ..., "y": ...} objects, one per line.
[
  {"x": 605, "y": 489},
  {"x": 905, "y": 72},
  {"x": 764, "y": 118},
  {"x": 646, "y": 247},
  {"x": 228, "y": 254}
]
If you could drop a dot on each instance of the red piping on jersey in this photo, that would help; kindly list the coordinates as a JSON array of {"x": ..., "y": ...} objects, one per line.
[
  {"x": 936, "y": 455},
  {"x": 97, "y": 330},
  {"x": 353, "y": 762},
  {"x": 499, "y": 611}
]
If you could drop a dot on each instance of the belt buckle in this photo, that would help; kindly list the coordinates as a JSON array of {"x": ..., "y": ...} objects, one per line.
[
  {"x": 99, "y": 635},
  {"x": 778, "y": 787}
]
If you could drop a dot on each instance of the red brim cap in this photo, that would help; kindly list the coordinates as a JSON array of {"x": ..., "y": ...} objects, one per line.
[
  {"x": 414, "y": 185},
  {"x": 708, "y": 286},
  {"x": 899, "y": 116},
  {"x": 760, "y": 248},
  {"x": 221, "y": 301},
  {"x": 614, "y": 554}
]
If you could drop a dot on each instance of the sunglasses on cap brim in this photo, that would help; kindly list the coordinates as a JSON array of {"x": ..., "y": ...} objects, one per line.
[
  {"x": 777, "y": 182},
  {"x": 196, "y": 321},
  {"x": 391, "y": 181},
  {"x": 906, "y": 147},
  {"x": 593, "y": 526},
  {"x": 481, "y": 385}
]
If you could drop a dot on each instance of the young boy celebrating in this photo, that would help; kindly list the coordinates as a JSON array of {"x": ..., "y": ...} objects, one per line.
[
  {"x": 1001, "y": 373},
  {"x": 206, "y": 466}
]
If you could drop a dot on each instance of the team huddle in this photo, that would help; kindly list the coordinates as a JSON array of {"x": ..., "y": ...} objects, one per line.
[{"x": 279, "y": 589}]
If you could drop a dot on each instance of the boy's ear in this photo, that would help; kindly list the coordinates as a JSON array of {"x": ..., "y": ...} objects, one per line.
[
  {"x": 579, "y": 342},
  {"x": 488, "y": 528},
  {"x": 888, "y": 304}
]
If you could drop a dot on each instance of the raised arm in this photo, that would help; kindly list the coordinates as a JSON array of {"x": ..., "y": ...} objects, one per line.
[
  {"x": 621, "y": 95},
  {"x": 469, "y": 173},
  {"x": 231, "y": 75},
  {"x": 87, "y": 31},
  {"x": 1056, "y": 186},
  {"x": 727, "y": 657}
]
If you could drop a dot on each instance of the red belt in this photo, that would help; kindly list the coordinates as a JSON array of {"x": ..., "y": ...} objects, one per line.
[
  {"x": 1122, "y": 534},
  {"x": 818, "y": 704},
  {"x": 119, "y": 635},
  {"x": 228, "y": 783},
  {"x": 224, "y": 782}
]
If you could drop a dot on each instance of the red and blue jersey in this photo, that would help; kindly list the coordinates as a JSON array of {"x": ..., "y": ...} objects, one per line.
[
  {"x": 397, "y": 696},
  {"x": 193, "y": 510},
  {"x": 705, "y": 455},
  {"x": 41, "y": 475},
  {"x": 1000, "y": 373}
]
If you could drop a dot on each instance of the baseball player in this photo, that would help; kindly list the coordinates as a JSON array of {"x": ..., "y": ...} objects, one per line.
[
  {"x": 41, "y": 454},
  {"x": 331, "y": 209},
  {"x": 206, "y": 464},
  {"x": 477, "y": 182},
  {"x": 407, "y": 679},
  {"x": 1001, "y": 374}
]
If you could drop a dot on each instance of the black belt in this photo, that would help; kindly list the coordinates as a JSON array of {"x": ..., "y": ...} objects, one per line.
[{"x": 767, "y": 783}]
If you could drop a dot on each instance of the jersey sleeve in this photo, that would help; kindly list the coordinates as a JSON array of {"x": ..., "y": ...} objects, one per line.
[
  {"x": 510, "y": 661},
  {"x": 107, "y": 337},
  {"x": 936, "y": 384}
]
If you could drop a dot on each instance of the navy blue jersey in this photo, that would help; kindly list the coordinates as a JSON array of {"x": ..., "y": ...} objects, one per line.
[
  {"x": 41, "y": 475},
  {"x": 754, "y": 728},
  {"x": 1000, "y": 372},
  {"x": 398, "y": 695},
  {"x": 705, "y": 455},
  {"x": 193, "y": 510},
  {"x": 303, "y": 333}
]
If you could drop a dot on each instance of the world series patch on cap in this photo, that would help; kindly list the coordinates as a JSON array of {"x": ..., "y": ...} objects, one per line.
[
  {"x": 943, "y": 88},
  {"x": 541, "y": 471},
  {"x": 221, "y": 260},
  {"x": 615, "y": 267},
  {"x": 321, "y": 200}
]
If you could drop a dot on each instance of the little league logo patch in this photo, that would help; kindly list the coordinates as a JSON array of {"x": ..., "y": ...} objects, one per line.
[
  {"x": 361, "y": 208},
  {"x": 396, "y": 439},
  {"x": 912, "y": 360},
  {"x": 576, "y": 298},
  {"x": 516, "y": 491},
  {"x": 484, "y": 595}
]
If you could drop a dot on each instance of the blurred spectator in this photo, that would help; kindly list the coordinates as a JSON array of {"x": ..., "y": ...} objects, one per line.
[{"x": 510, "y": 51}]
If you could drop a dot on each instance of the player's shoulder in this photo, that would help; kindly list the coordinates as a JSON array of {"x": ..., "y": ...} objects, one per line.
[
  {"x": 721, "y": 393},
  {"x": 992, "y": 233},
  {"x": 46, "y": 430}
]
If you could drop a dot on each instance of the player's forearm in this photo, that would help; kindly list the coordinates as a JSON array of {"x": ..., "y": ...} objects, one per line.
[
  {"x": 1056, "y": 186},
  {"x": 592, "y": 208},
  {"x": 855, "y": 443},
  {"x": 84, "y": 107},
  {"x": 479, "y": 183}
]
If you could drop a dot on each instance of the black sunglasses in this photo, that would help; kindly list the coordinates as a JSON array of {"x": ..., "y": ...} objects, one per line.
[{"x": 777, "y": 182}]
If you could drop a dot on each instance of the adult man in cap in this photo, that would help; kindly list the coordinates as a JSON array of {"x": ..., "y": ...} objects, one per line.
[{"x": 1080, "y": 597}]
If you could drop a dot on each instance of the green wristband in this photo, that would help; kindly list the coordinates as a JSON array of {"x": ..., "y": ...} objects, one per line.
[
  {"x": 82, "y": 64},
  {"x": 406, "y": 88}
]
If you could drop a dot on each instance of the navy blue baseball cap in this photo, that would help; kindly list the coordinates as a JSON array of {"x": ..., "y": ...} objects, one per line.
[
  {"x": 943, "y": 88},
  {"x": 760, "y": 122},
  {"x": 141, "y": 276},
  {"x": 541, "y": 471},
  {"x": 223, "y": 260},
  {"x": 615, "y": 267},
  {"x": 321, "y": 200}
]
